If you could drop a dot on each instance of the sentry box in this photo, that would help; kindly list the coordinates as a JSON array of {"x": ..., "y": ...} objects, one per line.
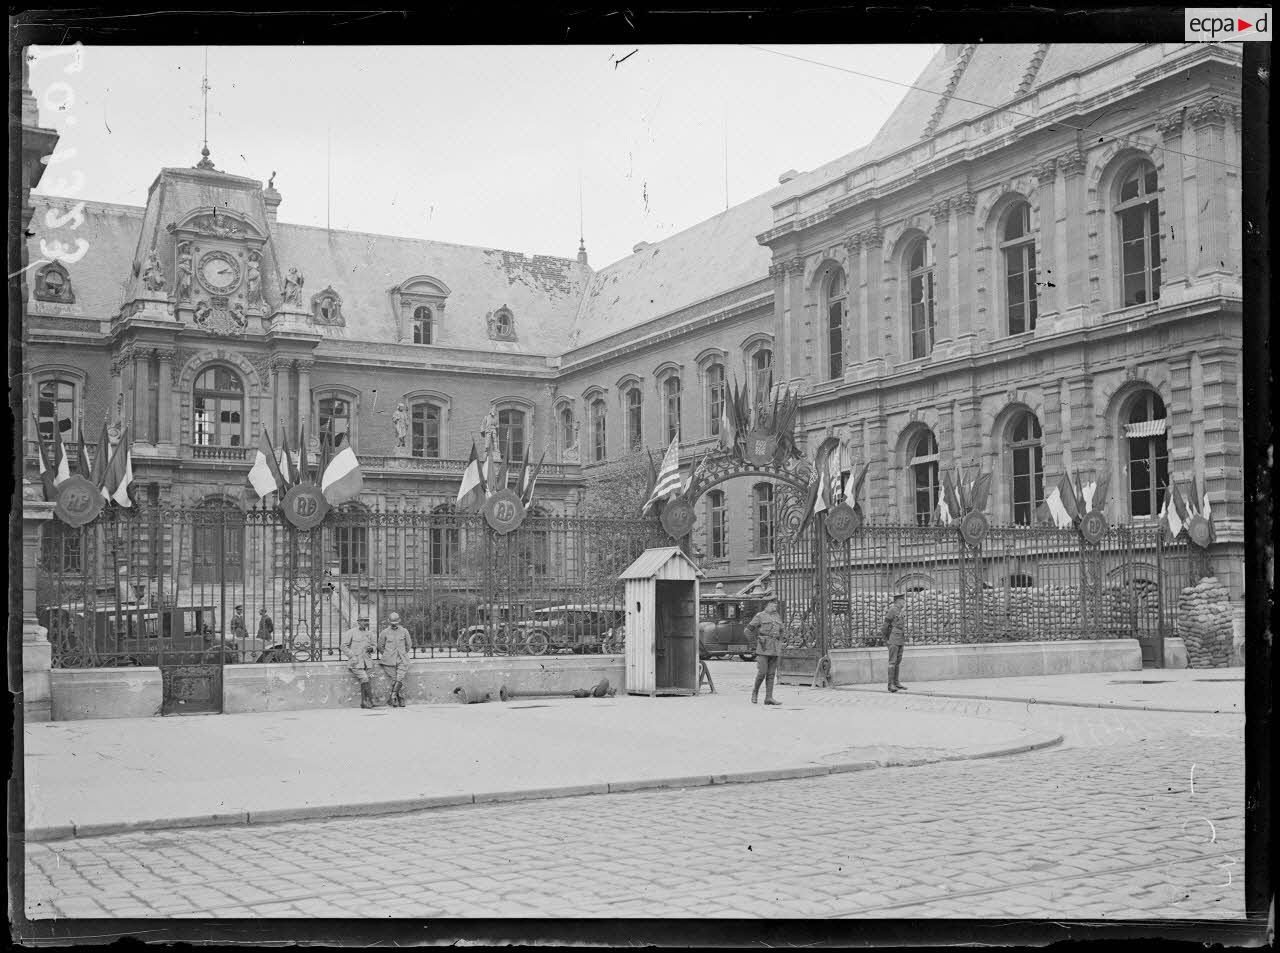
[{"x": 662, "y": 623}]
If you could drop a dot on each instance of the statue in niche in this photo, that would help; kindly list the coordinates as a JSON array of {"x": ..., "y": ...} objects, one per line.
[
  {"x": 292, "y": 291},
  {"x": 253, "y": 275},
  {"x": 400, "y": 420},
  {"x": 183, "y": 280},
  {"x": 152, "y": 276},
  {"x": 489, "y": 431}
]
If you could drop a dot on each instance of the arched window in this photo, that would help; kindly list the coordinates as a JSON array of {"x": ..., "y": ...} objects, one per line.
[
  {"x": 1026, "y": 463},
  {"x": 671, "y": 407},
  {"x": 1148, "y": 448},
  {"x": 835, "y": 311},
  {"x": 920, "y": 291},
  {"x": 1138, "y": 214},
  {"x": 599, "y": 447},
  {"x": 568, "y": 436},
  {"x": 446, "y": 541},
  {"x": 351, "y": 545},
  {"x": 762, "y": 372},
  {"x": 56, "y": 409},
  {"x": 424, "y": 430},
  {"x": 1018, "y": 249},
  {"x": 334, "y": 418},
  {"x": 715, "y": 398},
  {"x": 635, "y": 426},
  {"x": 511, "y": 434},
  {"x": 422, "y": 325},
  {"x": 218, "y": 408},
  {"x": 60, "y": 549},
  {"x": 763, "y": 497},
  {"x": 719, "y": 527},
  {"x": 922, "y": 458}
]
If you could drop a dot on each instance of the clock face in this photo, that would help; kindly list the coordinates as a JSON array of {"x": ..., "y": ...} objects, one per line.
[{"x": 219, "y": 272}]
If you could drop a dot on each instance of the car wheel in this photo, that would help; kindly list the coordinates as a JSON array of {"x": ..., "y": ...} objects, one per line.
[
  {"x": 537, "y": 642},
  {"x": 747, "y": 657}
]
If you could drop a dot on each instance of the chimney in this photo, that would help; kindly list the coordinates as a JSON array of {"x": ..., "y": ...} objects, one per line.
[
  {"x": 639, "y": 247},
  {"x": 271, "y": 199},
  {"x": 787, "y": 176}
]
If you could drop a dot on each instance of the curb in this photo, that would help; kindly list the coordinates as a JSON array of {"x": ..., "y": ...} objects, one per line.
[
  {"x": 403, "y": 806},
  {"x": 1046, "y": 701}
]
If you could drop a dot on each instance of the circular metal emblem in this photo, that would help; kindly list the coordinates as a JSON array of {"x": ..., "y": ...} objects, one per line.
[
  {"x": 305, "y": 506},
  {"x": 1093, "y": 525},
  {"x": 219, "y": 272},
  {"x": 503, "y": 511},
  {"x": 678, "y": 518},
  {"x": 760, "y": 447},
  {"x": 78, "y": 502},
  {"x": 973, "y": 527},
  {"x": 842, "y": 522},
  {"x": 1197, "y": 529}
]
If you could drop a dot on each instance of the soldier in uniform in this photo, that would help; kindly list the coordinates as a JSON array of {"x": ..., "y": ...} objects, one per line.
[
  {"x": 358, "y": 643},
  {"x": 394, "y": 652},
  {"x": 894, "y": 632},
  {"x": 766, "y": 627}
]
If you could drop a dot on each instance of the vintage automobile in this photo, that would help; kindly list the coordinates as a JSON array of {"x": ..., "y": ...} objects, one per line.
[
  {"x": 722, "y": 626},
  {"x": 495, "y": 633},
  {"x": 134, "y": 634},
  {"x": 575, "y": 627}
]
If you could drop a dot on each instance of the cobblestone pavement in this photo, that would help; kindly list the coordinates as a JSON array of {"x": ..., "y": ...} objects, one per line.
[{"x": 1136, "y": 815}]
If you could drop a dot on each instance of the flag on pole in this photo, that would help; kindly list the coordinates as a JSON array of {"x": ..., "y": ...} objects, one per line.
[
  {"x": 1179, "y": 504},
  {"x": 1100, "y": 493},
  {"x": 531, "y": 481},
  {"x": 1058, "y": 511},
  {"x": 727, "y": 436},
  {"x": 46, "y": 469},
  {"x": 853, "y": 489},
  {"x": 288, "y": 466},
  {"x": 82, "y": 454},
  {"x": 819, "y": 491},
  {"x": 99, "y": 471},
  {"x": 59, "y": 466},
  {"x": 119, "y": 475},
  {"x": 1170, "y": 518},
  {"x": 947, "y": 506},
  {"x": 1067, "y": 498},
  {"x": 342, "y": 479},
  {"x": 472, "y": 491},
  {"x": 1193, "y": 499},
  {"x": 981, "y": 490},
  {"x": 668, "y": 480},
  {"x": 265, "y": 476}
]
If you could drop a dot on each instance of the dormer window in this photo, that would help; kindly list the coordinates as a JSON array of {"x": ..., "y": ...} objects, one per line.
[
  {"x": 502, "y": 325},
  {"x": 53, "y": 283},
  {"x": 422, "y": 325},
  {"x": 326, "y": 308}
]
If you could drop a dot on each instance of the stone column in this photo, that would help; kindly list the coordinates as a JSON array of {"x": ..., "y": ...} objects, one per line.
[
  {"x": 781, "y": 320},
  {"x": 1173, "y": 232},
  {"x": 970, "y": 450},
  {"x": 965, "y": 235},
  {"x": 1223, "y": 451},
  {"x": 1179, "y": 437},
  {"x": 1057, "y": 438},
  {"x": 304, "y": 393},
  {"x": 882, "y": 460},
  {"x": 1084, "y": 425},
  {"x": 1074, "y": 258},
  {"x": 856, "y": 324},
  {"x": 944, "y": 294},
  {"x": 1048, "y": 272},
  {"x": 168, "y": 410},
  {"x": 1209, "y": 120},
  {"x": 802, "y": 363},
  {"x": 278, "y": 378},
  {"x": 36, "y": 651},
  {"x": 879, "y": 341},
  {"x": 142, "y": 396}
]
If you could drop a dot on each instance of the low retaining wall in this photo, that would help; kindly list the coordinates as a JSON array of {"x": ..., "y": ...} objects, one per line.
[
  {"x": 294, "y": 686},
  {"x": 986, "y": 660}
]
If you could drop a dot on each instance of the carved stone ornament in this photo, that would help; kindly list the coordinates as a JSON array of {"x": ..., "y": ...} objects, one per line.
[
  {"x": 219, "y": 226},
  {"x": 964, "y": 202},
  {"x": 1046, "y": 171},
  {"x": 502, "y": 324},
  {"x": 940, "y": 210},
  {"x": 1071, "y": 163},
  {"x": 184, "y": 271},
  {"x": 152, "y": 273},
  {"x": 326, "y": 308},
  {"x": 215, "y": 316},
  {"x": 253, "y": 279},
  {"x": 873, "y": 237},
  {"x": 291, "y": 291},
  {"x": 795, "y": 266},
  {"x": 1213, "y": 110},
  {"x": 53, "y": 283},
  {"x": 1170, "y": 124}
]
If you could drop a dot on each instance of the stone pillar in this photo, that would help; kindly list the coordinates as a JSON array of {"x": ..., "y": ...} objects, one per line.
[
  {"x": 1180, "y": 411},
  {"x": 943, "y": 292},
  {"x": 1084, "y": 425},
  {"x": 1173, "y": 231},
  {"x": 1074, "y": 258},
  {"x": 801, "y": 365},
  {"x": 882, "y": 457},
  {"x": 965, "y": 328},
  {"x": 168, "y": 410},
  {"x": 948, "y": 436},
  {"x": 128, "y": 389},
  {"x": 1057, "y": 438},
  {"x": 1209, "y": 121},
  {"x": 1223, "y": 451},
  {"x": 970, "y": 428},
  {"x": 879, "y": 340},
  {"x": 142, "y": 396},
  {"x": 37, "y": 654},
  {"x": 304, "y": 393},
  {"x": 856, "y": 323},
  {"x": 276, "y": 409},
  {"x": 781, "y": 321},
  {"x": 1048, "y": 271}
]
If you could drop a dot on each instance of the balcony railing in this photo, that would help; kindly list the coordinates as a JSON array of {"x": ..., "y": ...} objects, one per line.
[{"x": 202, "y": 452}]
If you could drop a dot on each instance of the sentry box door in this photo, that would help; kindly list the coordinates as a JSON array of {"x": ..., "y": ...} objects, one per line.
[{"x": 676, "y": 637}]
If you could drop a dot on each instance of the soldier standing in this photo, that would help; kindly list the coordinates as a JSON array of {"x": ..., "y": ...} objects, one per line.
[
  {"x": 394, "y": 652},
  {"x": 358, "y": 643},
  {"x": 894, "y": 631},
  {"x": 766, "y": 626}
]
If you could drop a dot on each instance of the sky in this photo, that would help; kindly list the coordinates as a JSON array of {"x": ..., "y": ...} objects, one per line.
[{"x": 487, "y": 146}]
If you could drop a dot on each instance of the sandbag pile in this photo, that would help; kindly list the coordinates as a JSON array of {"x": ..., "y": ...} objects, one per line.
[{"x": 1204, "y": 623}]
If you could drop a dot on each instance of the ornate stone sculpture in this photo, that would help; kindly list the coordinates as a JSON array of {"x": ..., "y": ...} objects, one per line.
[
  {"x": 238, "y": 316},
  {"x": 203, "y": 313},
  {"x": 184, "y": 272},
  {"x": 489, "y": 429},
  {"x": 253, "y": 274},
  {"x": 400, "y": 420},
  {"x": 291, "y": 293},
  {"x": 152, "y": 276}
]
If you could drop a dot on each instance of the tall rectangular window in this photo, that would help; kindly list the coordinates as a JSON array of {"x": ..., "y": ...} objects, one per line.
[{"x": 425, "y": 431}]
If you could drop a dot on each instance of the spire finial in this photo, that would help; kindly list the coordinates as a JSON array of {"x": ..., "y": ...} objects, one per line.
[
  {"x": 205, "y": 162},
  {"x": 582, "y": 243}
]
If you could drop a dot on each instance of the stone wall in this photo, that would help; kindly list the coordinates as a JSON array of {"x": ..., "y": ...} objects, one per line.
[{"x": 1205, "y": 623}]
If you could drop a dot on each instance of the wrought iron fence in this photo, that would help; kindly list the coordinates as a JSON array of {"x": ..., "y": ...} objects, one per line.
[
  {"x": 1021, "y": 584},
  {"x": 160, "y": 585}
]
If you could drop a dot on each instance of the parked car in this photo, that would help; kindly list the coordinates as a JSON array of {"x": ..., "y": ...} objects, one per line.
[
  {"x": 144, "y": 635},
  {"x": 722, "y": 626},
  {"x": 495, "y": 633},
  {"x": 575, "y": 627}
]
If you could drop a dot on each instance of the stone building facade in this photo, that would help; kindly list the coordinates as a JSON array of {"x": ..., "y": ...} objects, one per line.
[{"x": 1051, "y": 283}]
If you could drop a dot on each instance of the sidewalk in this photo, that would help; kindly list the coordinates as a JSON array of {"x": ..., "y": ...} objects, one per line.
[
  {"x": 1208, "y": 690},
  {"x": 96, "y": 777}
]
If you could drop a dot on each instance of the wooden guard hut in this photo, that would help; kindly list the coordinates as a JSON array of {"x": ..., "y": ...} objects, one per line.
[{"x": 662, "y": 623}]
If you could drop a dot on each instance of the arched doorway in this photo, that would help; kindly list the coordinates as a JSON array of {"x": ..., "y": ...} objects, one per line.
[{"x": 217, "y": 543}]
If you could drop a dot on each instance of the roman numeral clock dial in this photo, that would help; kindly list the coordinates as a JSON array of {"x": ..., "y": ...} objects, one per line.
[{"x": 219, "y": 273}]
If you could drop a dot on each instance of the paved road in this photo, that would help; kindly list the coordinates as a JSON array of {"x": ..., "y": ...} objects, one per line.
[{"x": 1137, "y": 815}]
